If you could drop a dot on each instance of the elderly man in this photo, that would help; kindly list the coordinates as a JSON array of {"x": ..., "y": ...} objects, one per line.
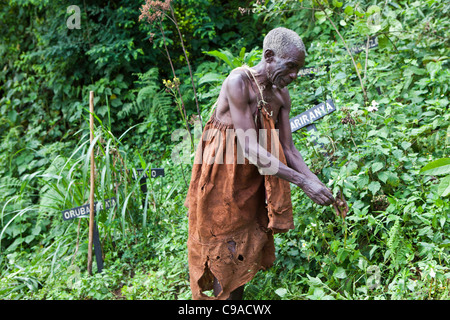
[{"x": 236, "y": 206}]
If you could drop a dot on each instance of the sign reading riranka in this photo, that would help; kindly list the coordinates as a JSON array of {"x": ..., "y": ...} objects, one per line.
[
  {"x": 311, "y": 115},
  {"x": 84, "y": 210}
]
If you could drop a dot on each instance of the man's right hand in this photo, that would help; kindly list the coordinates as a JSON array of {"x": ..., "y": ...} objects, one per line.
[{"x": 317, "y": 191}]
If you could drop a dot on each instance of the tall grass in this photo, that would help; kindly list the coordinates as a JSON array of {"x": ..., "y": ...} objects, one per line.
[{"x": 61, "y": 245}]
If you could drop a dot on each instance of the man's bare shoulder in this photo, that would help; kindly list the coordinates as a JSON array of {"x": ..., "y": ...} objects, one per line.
[
  {"x": 236, "y": 85},
  {"x": 237, "y": 78}
]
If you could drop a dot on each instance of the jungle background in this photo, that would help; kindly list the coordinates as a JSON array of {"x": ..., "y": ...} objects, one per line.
[{"x": 386, "y": 147}]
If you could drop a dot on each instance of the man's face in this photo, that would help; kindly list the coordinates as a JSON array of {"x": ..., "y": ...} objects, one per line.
[{"x": 281, "y": 71}]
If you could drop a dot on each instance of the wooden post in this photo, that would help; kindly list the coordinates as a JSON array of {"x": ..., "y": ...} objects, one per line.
[{"x": 91, "y": 196}]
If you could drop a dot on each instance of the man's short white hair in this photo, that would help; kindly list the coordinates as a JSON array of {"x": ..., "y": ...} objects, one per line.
[{"x": 280, "y": 39}]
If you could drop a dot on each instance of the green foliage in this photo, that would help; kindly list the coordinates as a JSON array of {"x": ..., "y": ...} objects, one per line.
[
  {"x": 376, "y": 153},
  {"x": 245, "y": 58},
  {"x": 386, "y": 146}
]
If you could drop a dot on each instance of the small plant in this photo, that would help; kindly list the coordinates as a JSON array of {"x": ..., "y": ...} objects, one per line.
[{"x": 154, "y": 12}]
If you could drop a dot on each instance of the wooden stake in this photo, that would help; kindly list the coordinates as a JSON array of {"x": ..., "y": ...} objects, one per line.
[{"x": 91, "y": 196}]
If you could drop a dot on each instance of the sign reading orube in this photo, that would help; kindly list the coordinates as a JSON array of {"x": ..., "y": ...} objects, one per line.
[{"x": 85, "y": 209}]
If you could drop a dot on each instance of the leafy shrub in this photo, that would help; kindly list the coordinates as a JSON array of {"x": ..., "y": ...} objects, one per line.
[{"x": 382, "y": 146}]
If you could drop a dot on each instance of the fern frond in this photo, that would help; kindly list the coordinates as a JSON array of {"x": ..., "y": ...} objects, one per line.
[{"x": 394, "y": 240}]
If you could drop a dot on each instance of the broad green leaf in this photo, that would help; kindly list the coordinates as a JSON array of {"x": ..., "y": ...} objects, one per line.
[
  {"x": 393, "y": 179},
  {"x": 318, "y": 294},
  {"x": 340, "y": 273},
  {"x": 352, "y": 166},
  {"x": 361, "y": 27},
  {"x": 211, "y": 77},
  {"x": 374, "y": 186},
  {"x": 242, "y": 53},
  {"x": 373, "y": 9},
  {"x": 320, "y": 16},
  {"x": 362, "y": 181},
  {"x": 359, "y": 12},
  {"x": 421, "y": 130},
  {"x": 221, "y": 55},
  {"x": 314, "y": 281},
  {"x": 348, "y": 10},
  {"x": 433, "y": 67},
  {"x": 374, "y": 248},
  {"x": 281, "y": 292},
  {"x": 383, "y": 176},
  {"x": 395, "y": 26},
  {"x": 102, "y": 110},
  {"x": 444, "y": 187},
  {"x": 374, "y": 27},
  {"x": 405, "y": 145},
  {"x": 12, "y": 115},
  {"x": 340, "y": 75},
  {"x": 437, "y": 167},
  {"x": 383, "y": 42},
  {"x": 377, "y": 166},
  {"x": 337, "y": 4}
]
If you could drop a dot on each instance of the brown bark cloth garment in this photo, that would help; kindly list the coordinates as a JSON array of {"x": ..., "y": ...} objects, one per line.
[{"x": 233, "y": 204}]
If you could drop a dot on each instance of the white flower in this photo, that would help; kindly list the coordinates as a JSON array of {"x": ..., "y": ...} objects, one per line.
[
  {"x": 432, "y": 273},
  {"x": 373, "y": 107}
]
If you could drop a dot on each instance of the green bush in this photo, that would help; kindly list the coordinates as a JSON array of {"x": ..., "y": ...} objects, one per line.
[{"x": 385, "y": 147}]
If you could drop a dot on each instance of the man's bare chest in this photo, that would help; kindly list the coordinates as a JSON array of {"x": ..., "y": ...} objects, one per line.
[{"x": 269, "y": 100}]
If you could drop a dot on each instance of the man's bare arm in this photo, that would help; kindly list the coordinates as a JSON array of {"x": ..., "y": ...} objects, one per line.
[{"x": 310, "y": 184}]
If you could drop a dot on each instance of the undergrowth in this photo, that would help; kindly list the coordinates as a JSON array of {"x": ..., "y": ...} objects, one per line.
[{"x": 385, "y": 148}]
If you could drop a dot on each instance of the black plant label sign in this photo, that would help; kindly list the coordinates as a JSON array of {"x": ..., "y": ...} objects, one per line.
[
  {"x": 154, "y": 172},
  {"x": 373, "y": 42},
  {"x": 85, "y": 210},
  {"x": 309, "y": 116},
  {"x": 311, "y": 71}
]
